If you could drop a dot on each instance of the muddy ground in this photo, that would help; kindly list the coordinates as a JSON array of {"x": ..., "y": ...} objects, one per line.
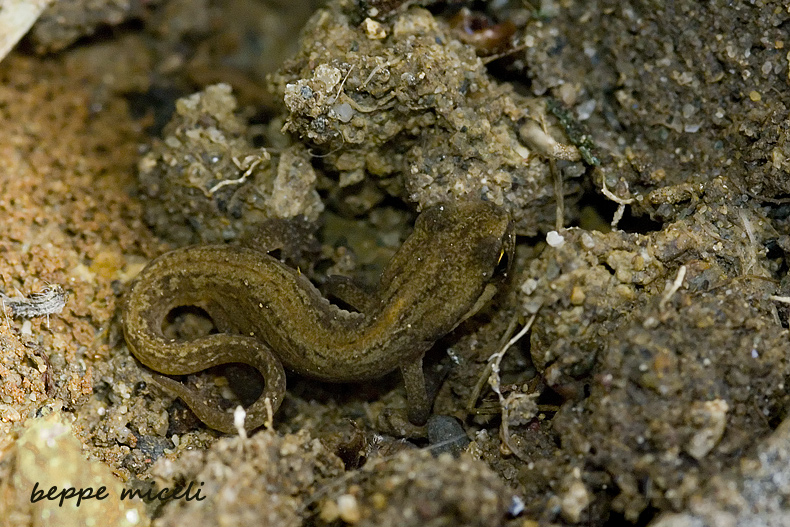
[{"x": 649, "y": 387}]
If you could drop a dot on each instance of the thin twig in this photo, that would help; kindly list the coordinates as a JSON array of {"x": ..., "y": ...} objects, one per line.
[
  {"x": 559, "y": 191},
  {"x": 237, "y": 181},
  {"x": 671, "y": 290},
  {"x": 239, "y": 420},
  {"x": 483, "y": 379},
  {"x": 496, "y": 359},
  {"x": 621, "y": 203},
  {"x": 494, "y": 380},
  {"x": 342, "y": 83}
]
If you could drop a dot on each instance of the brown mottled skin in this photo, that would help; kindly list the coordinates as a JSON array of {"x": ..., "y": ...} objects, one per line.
[{"x": 269, "y": 315}]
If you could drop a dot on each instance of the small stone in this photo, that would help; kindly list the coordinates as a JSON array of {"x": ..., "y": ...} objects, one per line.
[
  {"x": 577, "y": 296},
  {"x": 574, "y": 501},
  {"x": 344, "y": 112},
  {"x": 329, "y": 511},
  {"x": 374, "y": 30},
  {"x": 348, "y": 508},
  {"x": 529, "y": 286},
  {"x": 555, "y": 239},
  {"x": 711, "y": 419},
  {"x": 379, "y": 501},
  {"x": 445, "y": 434},
  {"x": 587, "y": 241},
  {"x": 329, "y": 75}
]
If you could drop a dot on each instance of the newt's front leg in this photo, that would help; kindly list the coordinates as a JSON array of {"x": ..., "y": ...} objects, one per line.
[
  {"x": 416, "y": 392},
  {"x": 419, "y": 406}
]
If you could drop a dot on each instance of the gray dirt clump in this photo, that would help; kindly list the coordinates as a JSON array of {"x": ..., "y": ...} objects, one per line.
[
  {"x": 675, "y": 92},
  {"x": 405, "y": 104},
  {"x": 258, "y": 481},
  {"x": 413, "y": 488},
  {"x": 63, "y": 23},
  {"x": 753, "y": 494},
  {"x": 664, "y": 349},
  {"x": 205, "y": 182}
]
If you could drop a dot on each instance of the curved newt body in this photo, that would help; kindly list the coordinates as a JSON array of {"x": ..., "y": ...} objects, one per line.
[{"x": 269, "y": 314}]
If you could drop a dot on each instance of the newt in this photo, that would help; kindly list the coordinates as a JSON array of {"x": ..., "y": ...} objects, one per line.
[{"x": 269, "y": 316}]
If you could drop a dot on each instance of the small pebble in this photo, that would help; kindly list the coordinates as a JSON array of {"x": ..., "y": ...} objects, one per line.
[
  {"x": 348, "y": 508},
  {"x": 554, "y": 239},
  {"x": 344, "y": 112},
  {"x": 516, "y": 507},
  {"x": 577, "y": 296},
  {"x": 445, "y": 434}
]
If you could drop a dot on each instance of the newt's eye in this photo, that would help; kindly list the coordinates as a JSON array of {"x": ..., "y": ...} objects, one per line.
[{"x": 503, "y": 264}]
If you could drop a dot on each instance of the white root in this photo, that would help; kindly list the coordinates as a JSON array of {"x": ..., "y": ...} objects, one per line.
[{"x": 672, "y": 289}]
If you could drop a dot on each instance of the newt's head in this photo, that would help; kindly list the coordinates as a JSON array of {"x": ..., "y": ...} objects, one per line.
[
  {"x": 452, "y": 265},
  {"x": 478, "y": 235}
]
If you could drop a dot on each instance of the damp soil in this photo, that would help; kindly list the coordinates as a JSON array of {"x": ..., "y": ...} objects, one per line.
[{"x": 640, "y": 147}]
